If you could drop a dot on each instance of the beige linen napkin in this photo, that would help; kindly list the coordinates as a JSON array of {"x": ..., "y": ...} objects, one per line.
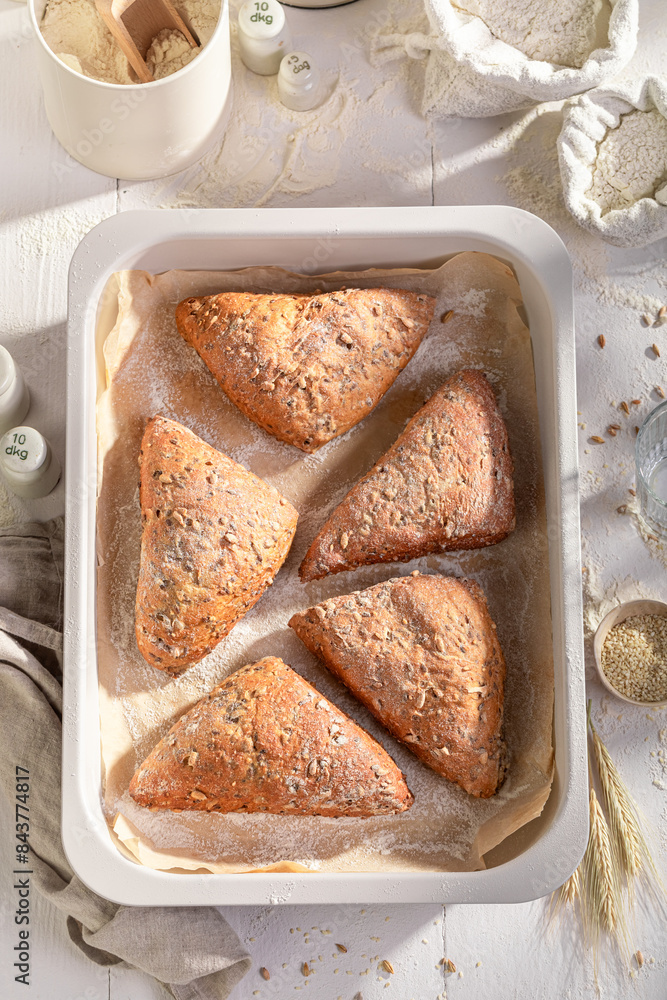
[{"x": 192, "y": 951}]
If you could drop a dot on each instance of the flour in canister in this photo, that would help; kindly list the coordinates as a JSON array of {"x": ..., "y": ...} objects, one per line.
[
  {"x": 79, "y": 37},
  {"x": 631, "y": 162},
  {"x": 564, "y": 32}
]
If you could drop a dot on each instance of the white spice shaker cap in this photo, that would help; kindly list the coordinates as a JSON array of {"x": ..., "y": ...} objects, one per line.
[
  {"x": 14, "y": 395},
  {"x": 588, "y": 120},
  {"x": 264, "y": 35},
  {"x": 27, "y": 463},
  {"x": 299, "y": 82}
]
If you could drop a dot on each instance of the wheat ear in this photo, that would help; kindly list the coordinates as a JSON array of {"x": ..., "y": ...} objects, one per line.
[
  {"x": 600, "y": 875},
  {"x": 628, "y": 839}
]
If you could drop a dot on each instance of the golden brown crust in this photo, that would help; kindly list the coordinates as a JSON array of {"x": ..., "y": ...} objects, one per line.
[
  {"x": 306, "y": 368},
  {"x": 421, "y": 653},
  {"x": 213, "y": 538},
  {"x": 267, "y": 741},
  {"x": 446, "y": 483}
]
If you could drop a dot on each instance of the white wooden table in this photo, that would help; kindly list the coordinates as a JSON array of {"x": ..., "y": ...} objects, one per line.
[{"x": 371, "y": 148}]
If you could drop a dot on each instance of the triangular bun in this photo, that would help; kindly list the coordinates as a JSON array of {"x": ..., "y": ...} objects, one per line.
[
  {"x": 267, "y": 741},
  {"x": 422, "y": 654},
  {"x": 213, "y": 538},
  {"x": 306, "y": 368},
  {"x": 446, "y": 483}
]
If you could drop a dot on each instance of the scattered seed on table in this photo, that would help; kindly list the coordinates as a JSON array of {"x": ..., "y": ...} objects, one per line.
[
  {"x": 446, "y": 316},
  {"x": 597, "y": 439},
  {"x": 387, "y": 966},
  {"x": 636, "y": 402},
  {"x": 662, "y": 312},
  {"x": 647, "y": 320},
  {"x": 660, "y": 391},
  {"x": 602, "y": 340},
  {"x": 341, "y": 947},
  {"x": 622, "y": 509},
  {"x": 264, "y": 973},
  {"x": 625, "y": 407},
  {"x": 612, "y": 431},
  {"x": 656, "y": 350}
]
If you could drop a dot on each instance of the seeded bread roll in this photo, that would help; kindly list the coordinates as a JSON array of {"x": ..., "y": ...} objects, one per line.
[
  {"x": 446, "y": 483},
  {"x": 306, "y": 368},
  {"x": 213, "y": 538},
  {"x": 422, "y": 654},
  {"x": 266, "y": 741}
]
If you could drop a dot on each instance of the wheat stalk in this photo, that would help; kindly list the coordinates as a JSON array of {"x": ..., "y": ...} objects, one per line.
[
  {"x": 570, "y": 891},
  {"x": 569, "y": 895},
  {"x": 617, "y": 854},
  {"x": 628, "y": 840},
  {"x": 600, "y": 874}
]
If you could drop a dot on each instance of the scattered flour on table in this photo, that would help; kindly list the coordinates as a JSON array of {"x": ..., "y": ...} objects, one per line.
[
  {"x": 79, "y": 37},
  {"x": 564, "y": 32},
  {"x": 631, "y": 162},
  {"x": 271, "y": 155}
]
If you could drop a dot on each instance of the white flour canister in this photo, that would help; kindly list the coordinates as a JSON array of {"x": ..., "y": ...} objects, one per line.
[{"x": 144, "y": 130}]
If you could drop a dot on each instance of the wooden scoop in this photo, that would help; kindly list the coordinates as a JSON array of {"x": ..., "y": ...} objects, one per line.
[{"x": 135, "y": 23}]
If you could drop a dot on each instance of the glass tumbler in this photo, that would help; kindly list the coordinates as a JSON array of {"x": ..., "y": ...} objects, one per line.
[{"x": 651, "y": 464}]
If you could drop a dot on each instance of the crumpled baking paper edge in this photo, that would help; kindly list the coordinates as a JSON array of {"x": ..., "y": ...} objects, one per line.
[{"x": 586, "y": 121}]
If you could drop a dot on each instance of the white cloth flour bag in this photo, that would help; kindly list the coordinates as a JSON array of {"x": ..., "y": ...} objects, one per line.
[
  {"x": 488, "y": 57},
  {"x": 612, "y": 152}
]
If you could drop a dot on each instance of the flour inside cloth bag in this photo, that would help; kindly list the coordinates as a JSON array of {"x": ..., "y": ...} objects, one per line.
[{"x": 488, "y": 57}]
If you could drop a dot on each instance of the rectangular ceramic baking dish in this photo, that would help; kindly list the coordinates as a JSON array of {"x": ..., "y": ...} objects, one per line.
[{"x": 540, "y": 856}]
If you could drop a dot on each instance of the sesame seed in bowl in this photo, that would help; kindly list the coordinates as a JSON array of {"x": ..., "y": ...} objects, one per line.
[{"x": 630, "y": 648}]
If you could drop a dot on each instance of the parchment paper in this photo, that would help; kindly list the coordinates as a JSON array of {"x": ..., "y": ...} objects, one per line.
[{"x": 146, "y": 368}]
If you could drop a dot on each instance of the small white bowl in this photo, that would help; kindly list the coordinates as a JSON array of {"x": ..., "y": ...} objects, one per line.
[{"x": 630, "y": 609}]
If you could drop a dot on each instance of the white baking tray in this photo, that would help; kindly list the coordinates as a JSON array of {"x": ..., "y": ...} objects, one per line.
[{"x": 540, "y": 856}]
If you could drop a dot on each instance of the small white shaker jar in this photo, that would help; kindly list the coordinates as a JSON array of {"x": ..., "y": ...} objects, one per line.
[
  {"x": 27, "y": 463},
  {"x": 264, "y": 35},
  {"x": 299, "y": 82},
  {"x": 14, "y": 395}
]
